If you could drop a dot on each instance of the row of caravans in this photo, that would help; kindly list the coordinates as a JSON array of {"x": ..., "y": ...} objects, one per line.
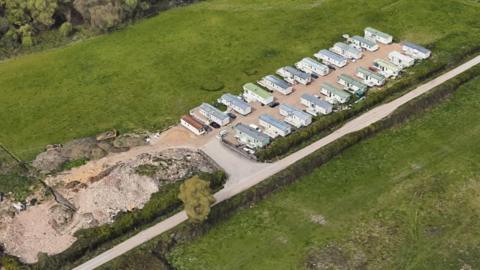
[{"x": 303, "y": 72}]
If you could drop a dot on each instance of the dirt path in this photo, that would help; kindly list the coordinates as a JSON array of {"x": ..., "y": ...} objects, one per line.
[{"x": 251, "y": 178}]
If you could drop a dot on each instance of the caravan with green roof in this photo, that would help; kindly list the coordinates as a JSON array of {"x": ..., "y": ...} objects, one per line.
[{"x": 253, "y": 92}]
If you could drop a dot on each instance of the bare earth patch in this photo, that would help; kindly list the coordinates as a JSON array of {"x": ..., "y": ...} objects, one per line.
[{"x": 49, "y": 227}]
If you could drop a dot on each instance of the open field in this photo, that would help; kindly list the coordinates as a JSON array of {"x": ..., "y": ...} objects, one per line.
[
  {"x": 149, "y": 74},
  {"x": 406, "y": 199}
]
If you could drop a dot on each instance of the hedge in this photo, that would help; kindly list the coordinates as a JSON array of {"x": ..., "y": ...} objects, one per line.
[{"x": 160, "y": 246}]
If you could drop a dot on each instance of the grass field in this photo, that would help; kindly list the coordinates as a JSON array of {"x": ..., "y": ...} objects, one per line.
[
  {"x": 406, "y": 199},
  {"x": 147, "y": 75}
]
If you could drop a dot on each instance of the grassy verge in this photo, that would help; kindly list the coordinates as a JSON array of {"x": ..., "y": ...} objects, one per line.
[
  {"x": 405, "y": 199},
  {"x": 148, "y": 74}
]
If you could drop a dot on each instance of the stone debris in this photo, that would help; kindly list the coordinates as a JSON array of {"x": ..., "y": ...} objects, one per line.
[{"x": 49, "y": 227}]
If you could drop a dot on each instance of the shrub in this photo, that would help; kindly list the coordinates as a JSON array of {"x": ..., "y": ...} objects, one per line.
[
  {"x": 73, "y": 164},
  {"x": 213, "y": 86},
  {"x": 66, "y": 29}
]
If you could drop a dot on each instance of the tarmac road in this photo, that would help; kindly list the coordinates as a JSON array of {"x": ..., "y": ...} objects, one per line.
[{"x": 246, "y": 179}]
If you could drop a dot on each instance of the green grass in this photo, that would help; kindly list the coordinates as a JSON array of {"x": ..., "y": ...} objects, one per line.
[
  {"x": 147, "y": 75},
  {"x": 406, "y": 199},
  {"x": 73, "y": 164}
]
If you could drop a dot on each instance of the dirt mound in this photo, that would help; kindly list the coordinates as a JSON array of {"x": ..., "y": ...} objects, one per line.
[
  {"x": 55, "y": 156},
  {"x": 127, "y": 185},
  {"x": 50, "y": 160},
  {"x": 130, "y": 140}
]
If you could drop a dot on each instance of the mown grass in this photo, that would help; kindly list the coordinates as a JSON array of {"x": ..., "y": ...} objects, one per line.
[
  {"x": 405, "y": 199},
  {"x": 147, "y": 75}
]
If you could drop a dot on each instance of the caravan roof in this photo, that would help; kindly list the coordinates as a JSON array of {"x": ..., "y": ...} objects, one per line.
[
  {"x": 332, "y": 55},
  {"x": 317, "y": 102},
  {"x": 257, "y": 90},
  {"x": 253, "y": 133},
  {"x": 378, "y": 33},
  {"x": 370, "y": 73},
  {"x": 364, "y": 40},
  {"x": 416, "y": 47},
  {"x": 275, "y": 122},
  {"x": 235, "y": 101},
  {"x": 279, "y": 82},
  {"x": 209, "y": 109}
]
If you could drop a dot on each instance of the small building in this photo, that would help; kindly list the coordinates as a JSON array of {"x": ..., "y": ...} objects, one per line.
[
  {"x": 334, "y": 95},
  {"x": 369, "y": 77},
  {"x": 415, "y": 51},
  {"x": 377, "y": 36},
  {"x": 346, "y": 51},
  {"x": 253, "y": 92},
  {"x": 295, "y": 116},
  {"x": 213, "y": 114},
  {"x": 386, "y": 68},
  {"x": 274, "y": 127},
  {"x": 292, "y": 75},
  {"x": 192, "y": 124},
  {"x": 236, "y": 103},
  {"x": 331, "y": 58},
  {"x": 400, "y": 59},
  {"x": 363, "y": 43},
  {"x": 315, "y": 105},
  {"x": 352, "y": 85},
  {"x": 273, "y": 83},
  {"x": 250, "y": 136},
  {"x": 310, "y": 66}
]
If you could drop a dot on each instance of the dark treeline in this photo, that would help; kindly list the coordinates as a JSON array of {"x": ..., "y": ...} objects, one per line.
[{"x": 22, "y": 22}]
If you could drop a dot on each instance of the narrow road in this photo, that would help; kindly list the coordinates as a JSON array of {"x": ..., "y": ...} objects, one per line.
[{"x": 260, "y": 173}]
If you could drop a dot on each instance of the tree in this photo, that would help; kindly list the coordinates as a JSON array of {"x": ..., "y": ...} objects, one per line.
[
  {"x": 42, "y": 11},
  {"x": 197, "y": 197},
  {"x": 26, "y": 32}
]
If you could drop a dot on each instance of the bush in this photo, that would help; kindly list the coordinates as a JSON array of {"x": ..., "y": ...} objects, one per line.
[
  {"x": 66, "y": 29},
  {"x": 73, "y": 164},
  {"x": 213, "y": 86}
]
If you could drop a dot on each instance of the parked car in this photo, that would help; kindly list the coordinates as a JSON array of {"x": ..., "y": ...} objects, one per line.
[
  {"x": 274, "y": 104},
  {"x": 256, "y": 127},
  {"x": 231, "y": 115},
  {"x": 314, "y": 75},
  {"x": 214, "y": 125},
  {"x": 248, "y": 150}
]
